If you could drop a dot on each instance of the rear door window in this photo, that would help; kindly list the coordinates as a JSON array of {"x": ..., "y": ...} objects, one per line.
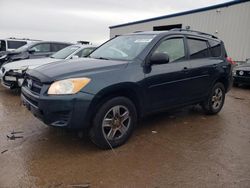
[
  {"x": 198, "y": 48},
  {"x": 215, "y": 48}
]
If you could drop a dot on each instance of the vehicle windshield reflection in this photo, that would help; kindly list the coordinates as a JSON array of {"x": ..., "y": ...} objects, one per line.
[{"x": 124, "y": 48}]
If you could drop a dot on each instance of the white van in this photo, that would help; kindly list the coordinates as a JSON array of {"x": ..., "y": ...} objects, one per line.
[{"x": 10, "y": 44}]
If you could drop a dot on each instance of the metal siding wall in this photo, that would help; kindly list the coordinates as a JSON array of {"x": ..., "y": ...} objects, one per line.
[{"x": 232, "y": 24}]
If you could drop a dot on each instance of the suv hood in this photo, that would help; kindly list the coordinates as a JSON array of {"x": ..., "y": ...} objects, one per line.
[
  {"x": 76, "y": 68},
  {"x": 30, "y": 63}
]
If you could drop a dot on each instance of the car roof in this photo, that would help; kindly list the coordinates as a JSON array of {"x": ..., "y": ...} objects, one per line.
[
  {"x": 177, "y": 32},
  {"x": 56, "y": 42},
  {"x": 19, "y": 39},
  {"x": 147, "y": 33}
]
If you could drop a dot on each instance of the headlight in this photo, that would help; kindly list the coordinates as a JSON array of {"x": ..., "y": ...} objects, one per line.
[
  {"x": 21, "y": 69},
  {"x": 68, "y": 86}
]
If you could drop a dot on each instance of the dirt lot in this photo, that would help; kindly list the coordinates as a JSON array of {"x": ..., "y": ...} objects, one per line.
[{"x": 182, "y": 149}]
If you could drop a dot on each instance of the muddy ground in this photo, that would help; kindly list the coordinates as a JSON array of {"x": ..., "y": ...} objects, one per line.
[{"x": 179, "y": 149}]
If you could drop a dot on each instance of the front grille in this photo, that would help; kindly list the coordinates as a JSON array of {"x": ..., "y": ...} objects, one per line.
[
  {"x": 33, "y": 85},
  {"x": 245, "y": 73}
]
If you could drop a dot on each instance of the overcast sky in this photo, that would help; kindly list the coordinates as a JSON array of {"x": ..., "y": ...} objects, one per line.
[{"x": 73, "y": 20}]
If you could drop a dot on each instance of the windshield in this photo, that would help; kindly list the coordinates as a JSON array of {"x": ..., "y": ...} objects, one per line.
[
  {"x": 123, "y": 47},
  {"x": 65, "y": 52}
]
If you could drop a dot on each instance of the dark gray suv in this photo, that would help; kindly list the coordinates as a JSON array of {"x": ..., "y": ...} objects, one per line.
[{"x": 127, "y": 78}]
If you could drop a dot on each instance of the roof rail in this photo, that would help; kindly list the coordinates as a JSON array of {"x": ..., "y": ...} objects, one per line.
[
  {"x": 23, "y": 39},
  {"x": 193, "y": 31}
]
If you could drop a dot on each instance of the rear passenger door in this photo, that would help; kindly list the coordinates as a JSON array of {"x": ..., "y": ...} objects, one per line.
[
  {"x": 168, "y": 84},
  {"x": 202, "y": 67}
]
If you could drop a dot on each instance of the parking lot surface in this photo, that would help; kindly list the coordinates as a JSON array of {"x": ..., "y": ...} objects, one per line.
[{"x": 184, "y": 148}]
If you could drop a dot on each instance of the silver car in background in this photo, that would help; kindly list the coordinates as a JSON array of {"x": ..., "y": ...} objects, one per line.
[{"x": 12, "y": 74}]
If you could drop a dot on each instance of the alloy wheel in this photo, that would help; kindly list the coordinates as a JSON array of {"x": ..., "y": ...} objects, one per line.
[
  {"x": 116, "y": 122},
  {"x": 217, "y": 98}
]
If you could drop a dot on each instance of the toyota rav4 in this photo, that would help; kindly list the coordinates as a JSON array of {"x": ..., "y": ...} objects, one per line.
[{"x": 127, "y": 78}]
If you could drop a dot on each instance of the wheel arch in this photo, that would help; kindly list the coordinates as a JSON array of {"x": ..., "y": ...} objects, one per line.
[
  {"x": 224, "y": 81},
  {"x": 129, "y": 90}
]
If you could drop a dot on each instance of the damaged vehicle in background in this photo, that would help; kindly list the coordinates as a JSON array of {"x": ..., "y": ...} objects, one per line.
[
  {"x": 127, "y": 78},
  {"x": 12, "y": 43},
  {"x": 32, "y": 50},
  {"x": 241, "y": 74},
  {"x": 12, "y": 74}
]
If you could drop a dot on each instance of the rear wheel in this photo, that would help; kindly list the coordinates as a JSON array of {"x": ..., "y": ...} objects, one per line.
[
  {"x": 113, "y": 123},
  {"x": 214, "y": 103}
]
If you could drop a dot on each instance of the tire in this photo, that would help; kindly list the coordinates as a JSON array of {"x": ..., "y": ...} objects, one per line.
[
  {"x": 214, "y": 103},
  {"x": 110, "y": 131}
]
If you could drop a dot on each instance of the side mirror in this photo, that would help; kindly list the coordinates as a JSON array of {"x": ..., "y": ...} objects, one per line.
[
  {"x": 74, "y": 57},
  {"x": 159, "y": 58},
  {"x": 31, "y": 51}
]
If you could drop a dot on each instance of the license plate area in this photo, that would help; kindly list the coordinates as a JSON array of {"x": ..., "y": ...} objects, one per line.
[{"x": 10, "y": 78}]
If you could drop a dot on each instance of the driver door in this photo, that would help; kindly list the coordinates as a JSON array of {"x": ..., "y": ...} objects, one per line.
[{"x": 168, "y": 84}]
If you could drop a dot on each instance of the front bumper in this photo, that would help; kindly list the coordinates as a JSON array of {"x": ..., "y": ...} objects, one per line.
[
  {"x": 69, "y": 111},
  {"x": 242, "y": 80},
  {"x": 12, "y": 80}
]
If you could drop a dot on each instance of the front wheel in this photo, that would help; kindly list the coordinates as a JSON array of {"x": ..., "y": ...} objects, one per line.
[
  {"x": 214, "y": 103},
  {"x": 113, "y": 123}
]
